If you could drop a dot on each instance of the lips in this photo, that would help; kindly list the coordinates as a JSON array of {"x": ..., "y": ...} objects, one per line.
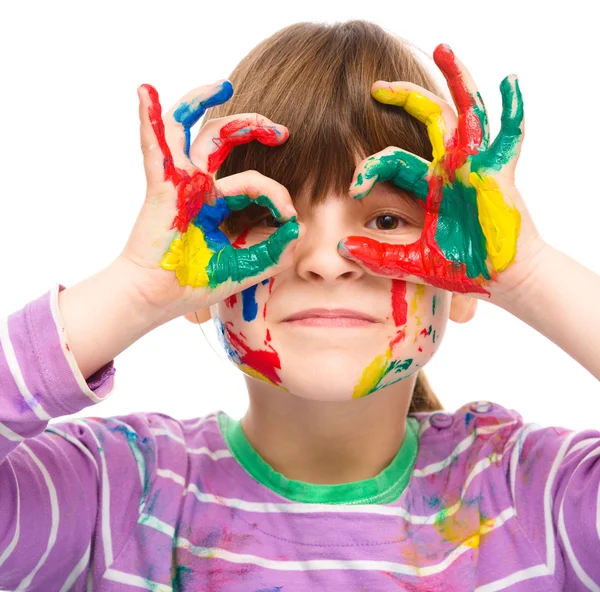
[{"x": 330, "y": 314}]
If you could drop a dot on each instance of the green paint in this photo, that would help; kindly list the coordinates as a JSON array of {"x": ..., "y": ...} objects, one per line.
[
  {"x": 504, "y": 147},
  {"x": 404, "y": 169},
  {"x": 459, "y": 234},
  {"x": 238, "y": 264},
  {"x": 481, "y": 114},
  {"x": 395, "y": 366},
  {"x": 239, "y": 202},
  {"x": 181, "y": 578},
  {"x": 433, "y": 303},
  {"x": 433, "y": 337}
]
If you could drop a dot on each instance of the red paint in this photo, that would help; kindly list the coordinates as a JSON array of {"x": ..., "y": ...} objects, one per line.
[
  {"x": 230, "y": 301},
  {"x": 271, "y": 282},
  {"x": 263, "y": 361},
  {"x": 399, "y": 304},
  {"x": 268, "y": 335},
  {"x": 422, "y": 259},
  {"x": 265, "y": 311},
  {"x": 227, "y": 139},
  {"x": 399, "y": 337},
  {"x": 420, "y": 349},
  {"x": 240, "y": 241},
  {"x": 196, "y": 188},
  {"x": 470, "y": 132}
]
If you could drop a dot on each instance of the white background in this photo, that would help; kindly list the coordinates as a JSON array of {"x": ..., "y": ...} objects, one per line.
[{"x": 73, "y": 183}]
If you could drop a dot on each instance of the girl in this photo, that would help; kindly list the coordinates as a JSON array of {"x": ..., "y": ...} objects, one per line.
[{"x": 345, "y": 473}]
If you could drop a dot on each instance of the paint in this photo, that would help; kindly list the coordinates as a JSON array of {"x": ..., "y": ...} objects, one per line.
[
  {"x": 471, "y": 225},
  {"x": 202, "y": 255}
]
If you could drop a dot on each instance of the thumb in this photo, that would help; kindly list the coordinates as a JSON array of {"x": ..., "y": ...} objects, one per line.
[{"x": 150, "y": 117}]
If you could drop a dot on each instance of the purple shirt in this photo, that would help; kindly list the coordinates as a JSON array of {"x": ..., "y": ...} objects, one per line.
[{"x": 474, "y": 500}]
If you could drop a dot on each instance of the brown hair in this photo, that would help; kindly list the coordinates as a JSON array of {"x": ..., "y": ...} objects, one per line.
[{"x": 315, "y": 79}]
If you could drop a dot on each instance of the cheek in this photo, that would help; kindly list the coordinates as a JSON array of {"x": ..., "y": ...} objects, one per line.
[{"x": 419, "y": 315}]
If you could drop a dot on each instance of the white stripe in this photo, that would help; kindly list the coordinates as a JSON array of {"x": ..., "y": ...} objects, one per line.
[
  {"x": 168, "y": 474},
  {"x": 214, "y": 454},
  {"x": 77, "y": 443},
  {"x": 332, "y": 564},
  {"x": 106, "y": 536},
  {"x": 77, "y": 570},
  {"x": 465, "y": 444},
  {"x": 548, "y": 520},
  {"x": 157, "y": 524},
  {"x": 9, "y": 434},
  {"x": 579, "y": 571},
  {"x": 54, "y": 514},
  {"x": 16, "y": 536},
  {"x": 536, "y": 571},
  {"x": 516, "y": 455},
  {"x": 133, "y": 580},
  {"x": 15, "y": 370},
  {"x": 69, "y": 357},
  {"x": 139, "y": 461}
]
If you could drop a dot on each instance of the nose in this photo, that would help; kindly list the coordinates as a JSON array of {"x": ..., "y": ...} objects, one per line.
[{"x": 317, "y": 257}]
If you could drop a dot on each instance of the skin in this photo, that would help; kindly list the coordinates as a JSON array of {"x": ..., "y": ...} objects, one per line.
[
  {"x": 351, "y": 438},
  {"x": 468, "y": 235}
]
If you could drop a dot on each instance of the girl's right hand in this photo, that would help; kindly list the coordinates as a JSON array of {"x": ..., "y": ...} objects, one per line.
[{"x": 180, "y": 260}]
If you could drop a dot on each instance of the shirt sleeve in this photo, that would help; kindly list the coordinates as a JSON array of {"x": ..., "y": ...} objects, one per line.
[
  {"x": 554, "y": 476},
  {"x": 54, "y": 479}
]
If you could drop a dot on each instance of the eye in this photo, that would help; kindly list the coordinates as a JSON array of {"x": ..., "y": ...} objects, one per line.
[
  {"x": 268, "y": 221},
  {"x": 387, "y": 221}
]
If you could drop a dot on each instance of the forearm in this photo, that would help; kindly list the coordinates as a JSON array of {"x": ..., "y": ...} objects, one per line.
[
  {"x": 561, "y": 301},
  {"x": 103, "y": 317}
]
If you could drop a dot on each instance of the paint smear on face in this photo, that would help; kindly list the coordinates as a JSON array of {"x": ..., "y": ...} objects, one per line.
[{"x": 260, "y": 364}]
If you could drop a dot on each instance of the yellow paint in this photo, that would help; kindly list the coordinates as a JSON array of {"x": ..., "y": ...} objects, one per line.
[
  {"x": 424, "y": 109},
  {"x": 372, "y": 375},
  {"x": 500, "y": 222},
  {"x": 416, "y": 300},
  {"x": 258, "y": 375},
  {"x": 188, "y": 256}
]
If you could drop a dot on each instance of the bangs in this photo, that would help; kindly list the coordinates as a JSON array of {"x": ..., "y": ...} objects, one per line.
[{"x": 316, "y": 79}]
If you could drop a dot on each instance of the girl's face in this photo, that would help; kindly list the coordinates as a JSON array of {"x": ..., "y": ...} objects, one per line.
[{"x": 335, "y": 359}]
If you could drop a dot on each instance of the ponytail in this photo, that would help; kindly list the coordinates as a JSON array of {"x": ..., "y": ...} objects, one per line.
[{"x": 424, "y": 398}]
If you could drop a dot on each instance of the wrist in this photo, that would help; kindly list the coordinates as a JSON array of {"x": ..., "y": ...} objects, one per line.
[{"x": 102, "y": 316}]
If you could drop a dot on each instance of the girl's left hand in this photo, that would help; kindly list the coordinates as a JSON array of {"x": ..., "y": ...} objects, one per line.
[{"x": 478, "y": 236}]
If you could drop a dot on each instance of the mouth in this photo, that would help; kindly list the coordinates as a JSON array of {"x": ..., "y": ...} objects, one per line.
[{"x": 338, "y": 317}]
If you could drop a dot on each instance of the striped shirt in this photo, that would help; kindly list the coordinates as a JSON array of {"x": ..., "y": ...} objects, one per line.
[{"x": 475, "y": 499}]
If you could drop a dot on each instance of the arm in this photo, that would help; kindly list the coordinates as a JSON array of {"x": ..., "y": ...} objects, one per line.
[
  {"x": 560, "y": 300},
  {"x": 51, "y": 483}
]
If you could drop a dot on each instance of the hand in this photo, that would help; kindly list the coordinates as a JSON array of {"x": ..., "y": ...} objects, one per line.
[
  {"x": 477, "y": 232},
  {"x": 181, "y": 261}
]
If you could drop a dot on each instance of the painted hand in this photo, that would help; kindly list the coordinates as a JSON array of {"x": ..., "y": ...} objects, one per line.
[
  {"x": 478, "y": 236},
  {"x": 178, "y": 228}
]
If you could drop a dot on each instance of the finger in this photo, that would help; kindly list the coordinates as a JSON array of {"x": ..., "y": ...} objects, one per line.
[
  {"x": 473, "y": 125},
  {"x": 428, "y": 108},
  {"x": 248, "y": 187},
  {"x": 256, "y": 262},
  {"x": 506, "y": 148},
  {"x": 185, "y": 112},
  {"x": 404, "y": 169},
  {"x": 414, "y": 262},
  {"x": 188, "y": 113},
  {"x": 218, "y": 136},
  {"x": 151, "y": 135}
]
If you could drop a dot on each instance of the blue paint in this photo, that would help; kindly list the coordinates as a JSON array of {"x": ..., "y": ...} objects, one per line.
[
  {"x": 231, "y": 353},
  {"x": 189, "y": 113},
  {"x": 468, "y": 417},
  {"x": 249, "y": 304},
  {"x": 209, "y": 218}
]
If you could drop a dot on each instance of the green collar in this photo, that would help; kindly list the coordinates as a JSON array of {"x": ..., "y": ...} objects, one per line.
[{"x": 381, "y": 489}]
